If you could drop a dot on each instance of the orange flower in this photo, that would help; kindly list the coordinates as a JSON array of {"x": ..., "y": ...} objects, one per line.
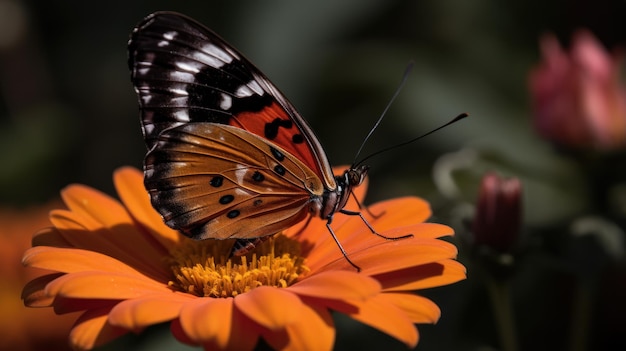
[
  {"x": 121, "y": 266},
  {"x": 24, "y": 328},
  {"x": 578, "y": 98}
]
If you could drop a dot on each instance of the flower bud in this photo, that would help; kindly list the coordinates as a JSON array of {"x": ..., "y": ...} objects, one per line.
[
  {"x": 578, "y": 99},
  {"x": 498, "y": 213}
]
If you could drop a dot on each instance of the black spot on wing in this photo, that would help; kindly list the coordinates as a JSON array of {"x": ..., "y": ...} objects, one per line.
[
  {"x": 258, "y": 177},
  {"x": 280, "y": 170},
  {"x": 271, "y": 128},
  {"x": 217, "y": 181},
  {"x": 277, "y": 154},
  {"x": 297, "y": 139},
  {"x": 226, "y": 199}
]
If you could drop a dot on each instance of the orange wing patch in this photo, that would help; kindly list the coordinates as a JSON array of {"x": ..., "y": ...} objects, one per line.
[
  {"x": 273, "y": 123},
  {"x": 218, "y": 181}
]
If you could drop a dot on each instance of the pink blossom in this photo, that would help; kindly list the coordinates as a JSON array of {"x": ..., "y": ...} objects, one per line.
[{"x": 578, "y": 99}]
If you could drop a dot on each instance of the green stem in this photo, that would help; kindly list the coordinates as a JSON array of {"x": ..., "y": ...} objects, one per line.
[
  {"x": 500, "y": 292},
  {"x": 579, "y": 328}
]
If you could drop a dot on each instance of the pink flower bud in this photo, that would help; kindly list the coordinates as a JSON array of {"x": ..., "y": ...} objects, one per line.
[
  {"x": 498, "y": 213},
  {"x": 577, "y": 97}
]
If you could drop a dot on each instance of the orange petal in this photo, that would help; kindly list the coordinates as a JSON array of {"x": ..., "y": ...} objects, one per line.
[
  {"x": 72, "y": 260},
  {"x": 92, "y": 330},
  {"x": 313, "y": 331},
  {"x": 387, "y": 256},
  {"x": 34, "y": 294},
  {"x": 340, "y": 285},
  {"x": 136, "y": 314},
  {"x": 362, "y": 239},
  {"x": 123, "y": 242},
  {"x": 129, "y": 184},
  {"x": 104, "y": 215},
  {"x": 365, "y": 240},
  {"x": 379, "y": 313},
  {"x": 94, "y": 205},
  {"x": 64, "y": 305},
  {"x": 216, "y": 324},
  {"x": 394, "y": 255},
  {"x": 417, "y": 308},
  {"x": 420, "y": 230},
  {"x": 100, "y": 285},
  {"x": 270, "y": 307},
  {"x": 50, "y": 237},
  {"x": 425, "y": 276},
  {"x": 396, "y": 218},
  {"x": 398, "y": 212}
]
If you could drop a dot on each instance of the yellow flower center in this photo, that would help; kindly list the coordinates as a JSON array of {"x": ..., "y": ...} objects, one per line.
[{"x": 203, "y": 269}]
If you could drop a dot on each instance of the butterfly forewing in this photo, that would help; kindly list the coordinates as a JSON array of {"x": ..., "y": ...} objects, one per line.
[
  {"x": 207, "y": 188},
  {"x": 184, "y": 73}
]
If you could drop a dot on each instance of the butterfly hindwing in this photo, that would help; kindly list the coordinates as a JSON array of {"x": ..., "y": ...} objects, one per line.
[
  {"x": 184, "y": 74},
  {"x": 205, "y": 187}
]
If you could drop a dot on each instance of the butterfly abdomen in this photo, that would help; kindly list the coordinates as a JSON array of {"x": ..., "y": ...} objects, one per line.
[{"x": 244, "y": 246}]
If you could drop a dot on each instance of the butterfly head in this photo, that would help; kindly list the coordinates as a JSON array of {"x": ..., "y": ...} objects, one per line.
[{"x": 354, "y": 176}]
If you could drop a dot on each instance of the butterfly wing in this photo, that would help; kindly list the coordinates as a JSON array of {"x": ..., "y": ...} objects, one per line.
[
  {"x": 184, "y": 73},
  {"x": 206, "y": 188}
]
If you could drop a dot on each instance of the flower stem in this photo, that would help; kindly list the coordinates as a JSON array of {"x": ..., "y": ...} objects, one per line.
[
  {"x": 579, "y": 328},
  {"x": 500, "y": 291}
]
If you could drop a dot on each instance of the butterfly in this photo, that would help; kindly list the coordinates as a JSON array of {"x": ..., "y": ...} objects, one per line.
[{"x": 229, "y": 157}]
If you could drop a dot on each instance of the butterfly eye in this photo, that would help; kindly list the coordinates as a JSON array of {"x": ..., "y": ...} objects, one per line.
[{"x": 356, "y": 176}]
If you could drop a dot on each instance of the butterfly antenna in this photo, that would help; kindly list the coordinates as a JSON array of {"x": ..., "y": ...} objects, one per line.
[
  {"x": 454, "y": 120},
  {"x": 405, "y": 76}
]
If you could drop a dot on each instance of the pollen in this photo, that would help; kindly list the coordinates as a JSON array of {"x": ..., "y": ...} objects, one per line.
[{"x": 203, "y": 268}]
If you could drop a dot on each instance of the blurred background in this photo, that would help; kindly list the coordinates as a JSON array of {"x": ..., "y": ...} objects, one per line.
[{"x": 68, "y": 114}]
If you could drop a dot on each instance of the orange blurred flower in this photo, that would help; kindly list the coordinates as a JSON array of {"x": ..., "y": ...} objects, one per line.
[
  {"x": 24, "y": 328},
  {"x": 125, "y": 270},
  {"x": 577, "y": 96}
]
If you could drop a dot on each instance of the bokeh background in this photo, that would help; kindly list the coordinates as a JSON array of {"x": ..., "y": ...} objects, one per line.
[{"x": 68, "y": 114}]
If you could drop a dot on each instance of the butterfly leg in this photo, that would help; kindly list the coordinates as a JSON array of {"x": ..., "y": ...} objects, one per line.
[
  {"x": 361, "y": 207},
  {"x": 356, "y": 213},
  {"x": 343, "y": 251}
]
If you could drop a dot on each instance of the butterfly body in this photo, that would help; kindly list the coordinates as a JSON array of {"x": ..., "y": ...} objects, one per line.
[{"x": 228, "y": 156}]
